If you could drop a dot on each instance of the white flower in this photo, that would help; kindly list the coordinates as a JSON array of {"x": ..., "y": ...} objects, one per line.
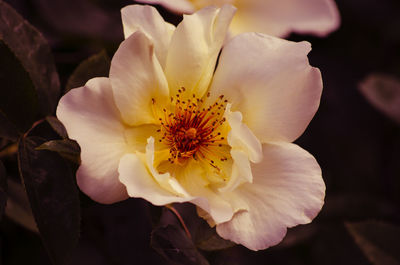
[
  {"x": 167, "y": 128},
  {"x": 274, "y": 17}
]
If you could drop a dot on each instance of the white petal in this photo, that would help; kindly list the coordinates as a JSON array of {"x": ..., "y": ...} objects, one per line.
[
  {"x": 270, "y": 81},
  {"x": 140, "y": 184},
  {"x": 149, "y": 21},
  {"x": 279, "y": 18},
  {"x": 137, "y": 78},
  {"x": 287, "y": 190},
  {"x": 177, "y": 6},
  {"x": 194, "y": 49},
  {"x": 92, "y": 119}
]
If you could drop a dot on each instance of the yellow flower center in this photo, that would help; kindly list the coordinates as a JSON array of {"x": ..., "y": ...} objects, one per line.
[{"x": 193, "y": 131}]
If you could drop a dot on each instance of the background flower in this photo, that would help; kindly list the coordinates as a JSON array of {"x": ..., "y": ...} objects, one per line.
[{"x": 278, "y": 18}]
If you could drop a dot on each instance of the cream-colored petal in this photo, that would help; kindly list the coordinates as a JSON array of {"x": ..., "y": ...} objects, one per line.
[
  {"x": 241, "y": 137},
  {"x": 191, "y": 177},
  {"x": 279, "y": 18},
  {"x": 270, "y": 81},
  {"x": 177, "y": 6},
  {"x": 287, "y": 190},
  {"x": 91, "y": 118},
  {"x": 137, "y": 79},
  {"x": 149, "y": 21},
  {"x": 136, "y": 137},
  {"x": 194, "y": 49},
  {"x": 141, "y": 184},
  {"x": 165, "y": 180},
  {"x": 240, "y": 173}
]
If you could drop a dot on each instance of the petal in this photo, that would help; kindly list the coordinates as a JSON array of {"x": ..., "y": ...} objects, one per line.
[
  {"x": 287, "y": 190},
  {"x": 194, "y": 49},
  {"x": 163, "y": 179},
  {"x": 149, "y": 21},
  {"x": 92, "y": 119},
  {"x": 270, "y": 81},
  {"x": 241, "y": 137},
  {"x": 240, "y": 173},
  {"x": 209, "y": 200},
  {"x": 140, "y": 184},
  {"x": 177, "y": 6},
  {"x": 137, "y": 80},
  {"x": 279, "y": 18}
]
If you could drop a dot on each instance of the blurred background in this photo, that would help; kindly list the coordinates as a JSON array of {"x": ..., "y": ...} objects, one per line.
[{"x": 356, "y": 142}]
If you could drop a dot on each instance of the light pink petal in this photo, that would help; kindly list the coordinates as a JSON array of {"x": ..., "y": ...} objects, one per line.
[
  {"x": 149, "y": 21},
  {"x": 92, "y": 119},
  {"x": 287, "y": 190},
  {"x": 194, "y": 49},
  {"x": 177, "y": 6},
  {"x": 138, "y": 80},
  {"x": 279, "y": 18},
  {"x": 270, "y": 81}
]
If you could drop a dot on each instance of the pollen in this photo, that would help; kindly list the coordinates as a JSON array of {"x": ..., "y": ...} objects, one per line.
[{"x": 191, "y": 129}]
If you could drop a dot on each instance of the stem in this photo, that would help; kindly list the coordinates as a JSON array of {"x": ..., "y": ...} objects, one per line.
[{"x": 172, "y": 209}]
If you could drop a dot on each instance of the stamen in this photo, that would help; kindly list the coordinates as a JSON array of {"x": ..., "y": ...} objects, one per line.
[{"x": 188, "y": 129}]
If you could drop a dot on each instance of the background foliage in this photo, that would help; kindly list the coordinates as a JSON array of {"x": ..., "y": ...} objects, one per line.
[{"x": 355, "y": 137}]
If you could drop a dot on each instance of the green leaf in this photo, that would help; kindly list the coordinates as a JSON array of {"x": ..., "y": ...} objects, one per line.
[
  {"x": 383, "y": 92},
  {"x": 171, "y": 242},
  {"x": 3, "y": 189},
  {"x": 97, "y": 65},
  {"x": 16, "y": 90},
  {"x": 69, "y": 149},
  {"x": 53, "y": 195},
  {"x": 34, "y": 53},
  {"x": 57, "y": 126},
  {"x": 379, "y": 241},
  {"x": 206, "y": 238}
]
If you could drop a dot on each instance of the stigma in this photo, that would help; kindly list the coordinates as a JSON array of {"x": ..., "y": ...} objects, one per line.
[{"x": 193, "y": 130}]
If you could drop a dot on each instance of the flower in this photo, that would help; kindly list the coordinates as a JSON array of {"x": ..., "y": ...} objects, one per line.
[
  {"x": 278, "y": 18},
  {"x": 168, "y": 125}
]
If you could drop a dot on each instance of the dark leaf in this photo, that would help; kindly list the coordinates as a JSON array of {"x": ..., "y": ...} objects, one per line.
[
  {"x": 383, "y": 92},
  {"x": 3, "y": 189},
  {"x": 16, "y": 90},
  {"x": 53, "y": 195},
  {"x": 7, "y": 128},
  {"x": 171, "y": 242},
  {"x": 69, "y": 149},
  {"x": 97, "y": 65},
  {"x": 206, "y": 238},
  {"x": 379, "y": 241},
  {"x": 57, "y": 126},
  {"x": 32, "y": 50},
  {"x": 18, "y": 208},
  {"x": 356, "y": 206}
]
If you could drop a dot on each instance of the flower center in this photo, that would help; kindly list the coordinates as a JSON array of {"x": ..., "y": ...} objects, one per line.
[{"x": 192, "y": 130}]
